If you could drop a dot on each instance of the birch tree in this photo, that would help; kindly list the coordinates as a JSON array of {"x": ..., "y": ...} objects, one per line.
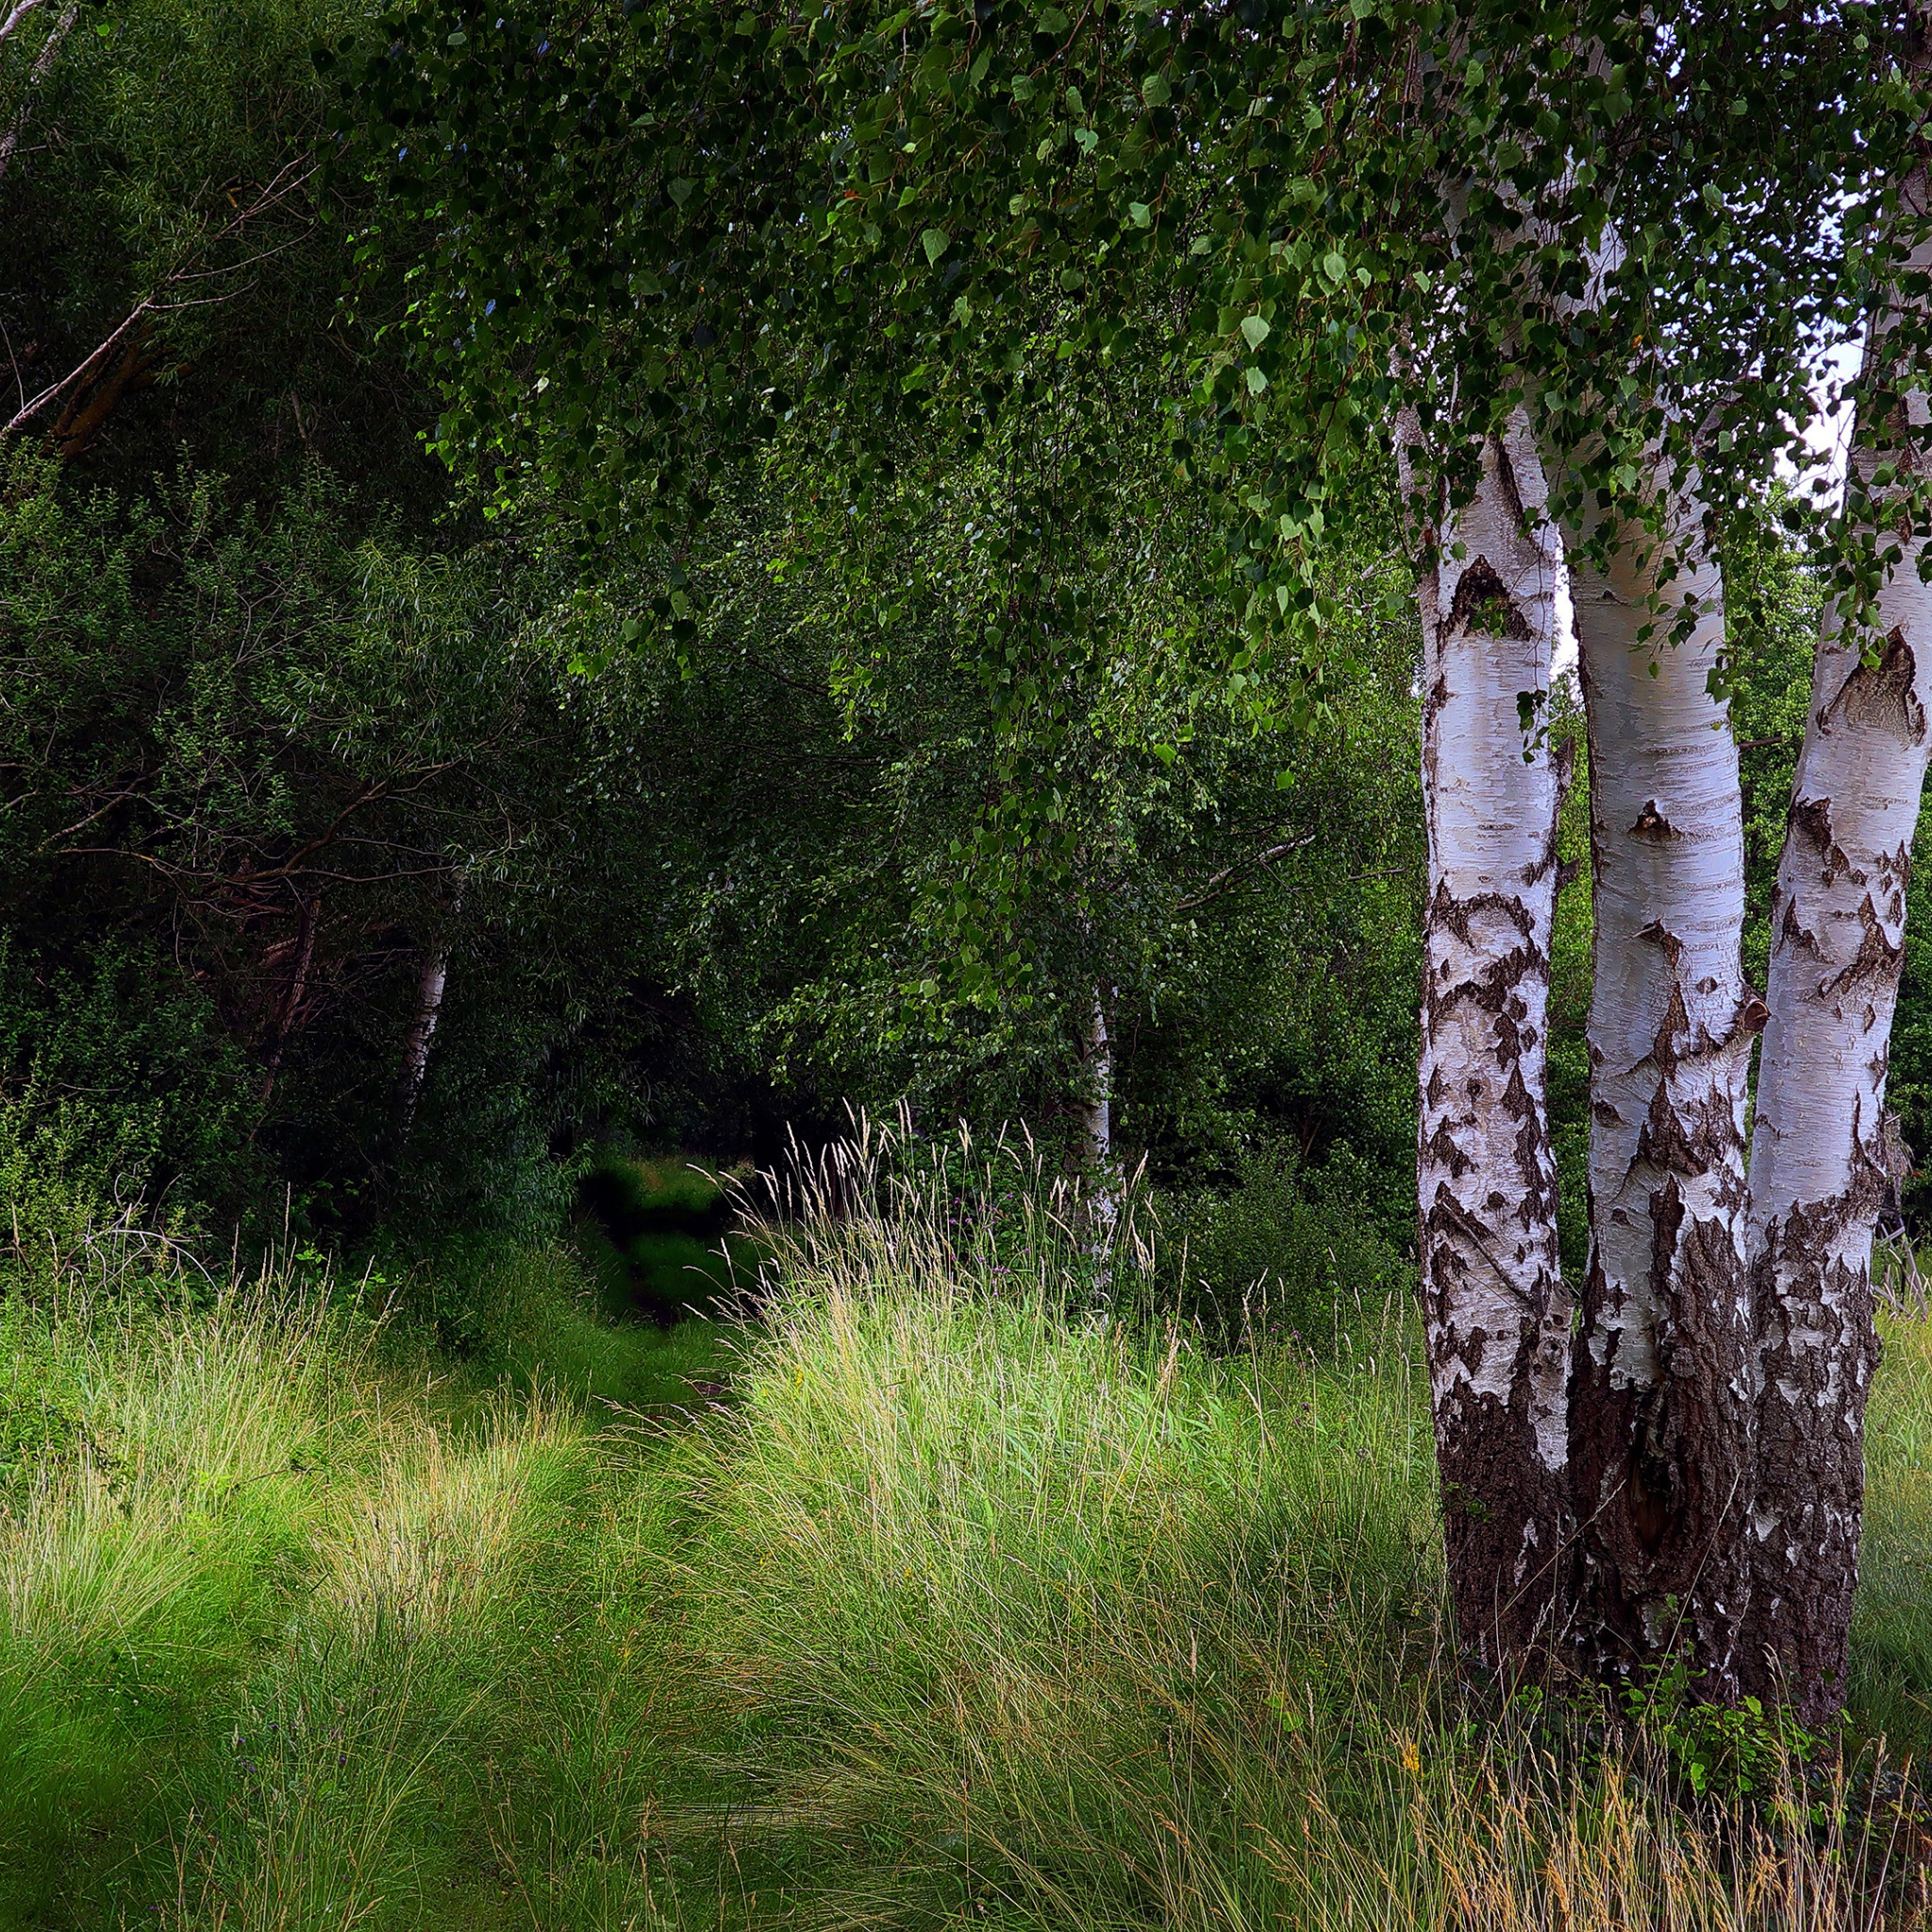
[
  {"x": 1823, "y": 1158},
  {"x": 1496, "y": 1311},
  {"x": 1659, "y": 1421},
  {"x": 724, "y": 229}
]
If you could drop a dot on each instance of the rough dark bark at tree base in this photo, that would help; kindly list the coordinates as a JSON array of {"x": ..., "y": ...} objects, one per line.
[
  {"x": 1661, "y": 1473},
  {"x": 1811, "y": 1446}
]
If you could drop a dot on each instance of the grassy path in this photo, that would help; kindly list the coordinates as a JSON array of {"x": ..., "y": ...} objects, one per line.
[{"x": 963, "y": 1614}]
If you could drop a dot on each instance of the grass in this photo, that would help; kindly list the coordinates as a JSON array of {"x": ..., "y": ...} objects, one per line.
[{"x": 971, "y": 1604}]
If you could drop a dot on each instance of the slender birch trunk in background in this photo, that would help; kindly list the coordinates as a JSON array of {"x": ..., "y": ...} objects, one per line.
[
  {"x": 1820, "y": 1156},
  {"x": 1097, "y": 1120},
  {"x": 415, "y": 1064},
  {"x": 1496, "y": 1308},
  {"x": 427, "y": 1011},
  {"x": 1097, "y": 1111},
  {"x": 1660, "y": 1419}
]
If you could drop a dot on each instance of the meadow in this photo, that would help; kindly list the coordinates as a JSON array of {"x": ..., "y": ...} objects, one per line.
[{"x": 938, "y": 1583}]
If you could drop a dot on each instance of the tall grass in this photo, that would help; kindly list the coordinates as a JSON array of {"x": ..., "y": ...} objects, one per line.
[
  {"x": 985, "y": 1596},
  {"x": 1046, "y": 1618}
]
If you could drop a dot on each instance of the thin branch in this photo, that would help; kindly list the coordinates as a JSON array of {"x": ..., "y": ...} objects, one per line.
[
  {"x": 290, "y": 177},
  {"x": 1234, "y": 874},
  {"x": 37, "y": 73},
  {"x": 14, "y": 18}
]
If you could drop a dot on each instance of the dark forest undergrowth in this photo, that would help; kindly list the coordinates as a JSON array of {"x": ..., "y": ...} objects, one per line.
[{"x": 932, "y": 1595}]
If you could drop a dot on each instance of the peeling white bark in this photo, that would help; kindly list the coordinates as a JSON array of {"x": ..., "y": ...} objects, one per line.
[
  {"x": 430, "y": 988},
  {"x": 1497, "y": 1312},
  {"x": 1821, "y": 1158},
  {"x": 1097, "y": 1111},
  {"x": 1661, "y": 1424}
]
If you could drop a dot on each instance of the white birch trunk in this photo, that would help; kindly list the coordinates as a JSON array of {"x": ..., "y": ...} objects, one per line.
[
  {"x": 422, "y": 1023},
  {"x": 1660, "y": 1409},
  {"x": 1097, "y": 1114},
  {"x": 1822, "y": 1160},
  {"x": 1098, "y": 1109},
  {"x": 1497, "y": 1314},
  {"x": 430, "y": 988}
]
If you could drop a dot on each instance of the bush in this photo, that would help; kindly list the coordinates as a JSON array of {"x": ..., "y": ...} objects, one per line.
[{"x": 1288, "y": 1250}]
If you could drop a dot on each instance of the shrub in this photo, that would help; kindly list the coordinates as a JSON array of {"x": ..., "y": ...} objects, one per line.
[{"x": 1288, "y": 1250}]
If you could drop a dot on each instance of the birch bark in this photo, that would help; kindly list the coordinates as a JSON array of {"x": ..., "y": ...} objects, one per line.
[
  {"x": 415, "y": 1063},
  {"x": 1097, "y": 1110},
  {"x": 430, "y": 985},
  {"x": 1497, "y": 1314},
  {"x": 1660, "y": 1417},
  {"x": 1821, "y": 1162}
]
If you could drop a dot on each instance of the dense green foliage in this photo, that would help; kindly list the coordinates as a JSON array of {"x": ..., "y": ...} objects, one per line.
[
  {"x": 652, "y": 242},
  {"x": 287, "y": 728}
]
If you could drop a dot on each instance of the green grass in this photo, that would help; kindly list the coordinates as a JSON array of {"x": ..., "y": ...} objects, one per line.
[{"x": 966, "y": 1606}]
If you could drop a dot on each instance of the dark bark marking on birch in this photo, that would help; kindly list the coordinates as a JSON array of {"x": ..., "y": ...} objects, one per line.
[
  {"x": 1481, "y": 592},
  {"x": 1653, "y": 827},
  {"x": 1879, "y": 957},
  {"x": 1657, "y": 934},
  {"x": 1804, "y": 1542},
  {"x": 1881, "y": 696},
  {"x": 1454, "y": 913},
  {"x": 1813, "y": 817},
  {"x": 1791, "y": 933}
]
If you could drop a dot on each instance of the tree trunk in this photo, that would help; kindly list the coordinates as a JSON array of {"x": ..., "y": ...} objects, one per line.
[
  {"x": 1497, "y": 1314},
  {"x": 1097, "y": 1114},
  {"x": 1660, "y": 1440},
  {"x": 43, "y": 61},
  {"x": 1821, "y": 1158},
  {"x": 422, "y": 1031}
]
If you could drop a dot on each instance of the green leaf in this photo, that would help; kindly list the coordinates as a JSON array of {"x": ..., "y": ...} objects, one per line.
[
  {"x": 1154, "y": 90},
  {"x": 1255, "y": 329},
  {"x": 1140, "y": 213},
  {"x": 935, "y": 242},
  {"x": 1257, "y": 381},
  {"x": 680, "y": 190},
  {"x": 1335, "y": 267},
  {"x": 1053, "y": 22}
]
